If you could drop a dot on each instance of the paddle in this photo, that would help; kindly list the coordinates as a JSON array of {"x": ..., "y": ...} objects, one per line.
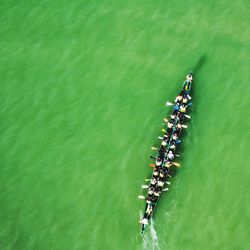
[
  {"x": 177, "y": 164},
  {"x": 154, "y": 148},
  {"x": 169, "y": 104},
  {"x": 141, "y": 197},
  {"x": 144, "y": 186}
]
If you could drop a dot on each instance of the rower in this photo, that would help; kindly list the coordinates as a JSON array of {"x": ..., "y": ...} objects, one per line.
[
  {"x": 153, "y": 181},
  {"x": 175, "y": 137},
  {"x": 170, "y": 155},
  {"x": 178, "y": 128},
  {"x": 161, "y": 175},
  {"x": 165, "y": 136},
  {"x": 170, "y": 124},
  {"x": 184, "y": 100},
  {"x": 164, "y": 143},
  {"x": 172, "y": 146},
  {"x": 189, "y": 77},
  {"x": 158, "y": 162},
  {"x": 168, "y": 164},
  {"x": 157, "y": 193},
  {"x": 183, "y": 109},
  {"x": 149, "y": 209},
  {"x": 176, "y": 107},
  {"x": 161, "y": 152},
  {"x": 179, "y": 115},
  {"x": 150, "y": 191},
  {"x": 155, "y": 173},
  {"x": 160, "y": 183},
  {"x": 178, "y": 98},
  {"x": 144, "y": 221}
]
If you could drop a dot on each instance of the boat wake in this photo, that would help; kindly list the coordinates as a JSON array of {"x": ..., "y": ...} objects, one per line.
[{"x": 150, "y": 240}]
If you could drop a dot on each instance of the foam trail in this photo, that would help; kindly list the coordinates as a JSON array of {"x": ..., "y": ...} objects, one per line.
[
  {"x": 154, "y": 237},
  {"x": 150, "y": 239}
]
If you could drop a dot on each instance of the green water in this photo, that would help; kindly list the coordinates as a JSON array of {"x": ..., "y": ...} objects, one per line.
[{"x": 83, "y": 86}]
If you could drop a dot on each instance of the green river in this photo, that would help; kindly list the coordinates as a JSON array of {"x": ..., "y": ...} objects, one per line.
[{"x": 83, "y": 88}]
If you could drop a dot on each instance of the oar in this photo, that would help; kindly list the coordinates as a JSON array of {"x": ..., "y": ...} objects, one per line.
[
  {"x": 169, "y": 104},
  {"x": 165, "y": 189},
  {"x": 177, "y": 164},
  {"x": 165, "y": 120},
  {"x": 152, "y": 165},
  {"x": 154, "y": 148},
  {"x": 159, "y": 137},
  {"x": 144, "y": 186},
  {"x": 188, "y": 116},
  {"x": 184, "y": 126},
  {"x": 141, "y": 197},
  {"x": 168, "y": 182},
  {"x": 147, "y": 179}
]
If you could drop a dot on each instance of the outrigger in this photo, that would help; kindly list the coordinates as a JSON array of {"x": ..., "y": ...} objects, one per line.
[{"x": 166, "y": 153}]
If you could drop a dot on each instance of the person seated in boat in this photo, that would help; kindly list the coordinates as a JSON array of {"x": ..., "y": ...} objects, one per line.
[
  {"x": 189, "y": 77},
  {"x": 178, "y": 98},
  {"x": 176, "y": 107},
  {"x": 175, "y": 137},
  {"x": 170, "y": 155},
  {"x": 155, "y": 174},
  {"x": 149, "y": 209},
  {"x": 157, "y": 193},
  {"x": 144, "y": 221},
  {"x": 160, "y": 183},
  {"x": 172, "y": 145},
  {"x": 173, "y": 117},
  {"x": 183, "y": 108},
  {"x": 161, "y": 152},
  {"x": 166, "y": 136},
  {"x": 178, "y": 128},
  {"x": 185, "y": 100},
  {"x": 153, "y": 181},
  {"x": 168, "y": 164},
  {"x": 158, "y": 162},
  {"x": 180, "y": 116},
  {"x": 150, "y": 191},
  {"x": 170, "y": 125},
  {"x": 162, "y": 174},
  {"x": 164, "y": 143}
]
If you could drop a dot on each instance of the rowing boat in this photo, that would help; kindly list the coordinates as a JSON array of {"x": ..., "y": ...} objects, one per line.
[{"x": 166, "y": 153}]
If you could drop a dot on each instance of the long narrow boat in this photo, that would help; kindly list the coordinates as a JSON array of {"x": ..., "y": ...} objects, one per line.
[{"x": 166, "y": 153}]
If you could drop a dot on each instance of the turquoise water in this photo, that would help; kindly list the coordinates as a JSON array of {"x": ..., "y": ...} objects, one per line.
[{"x": 83, "y": 87}]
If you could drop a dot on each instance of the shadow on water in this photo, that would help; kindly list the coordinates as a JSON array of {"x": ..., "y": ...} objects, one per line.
[{"x": 199, "y": 64}]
